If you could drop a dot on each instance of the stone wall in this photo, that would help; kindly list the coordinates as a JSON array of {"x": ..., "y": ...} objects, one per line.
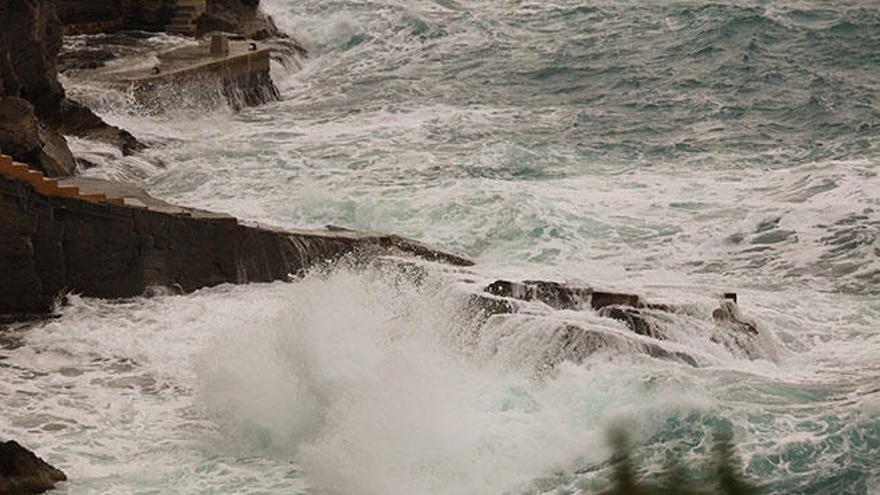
[{"x": 51, "y": 245}]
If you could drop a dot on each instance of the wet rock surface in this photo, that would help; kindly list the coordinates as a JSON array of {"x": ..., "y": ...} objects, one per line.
[
  {"x": 642, "y": 318},
  {"x": 23, "y": 473}
]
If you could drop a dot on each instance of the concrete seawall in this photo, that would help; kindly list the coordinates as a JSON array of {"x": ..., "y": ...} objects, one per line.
[
  {"x": 242, "y": 72},
  {"x": 54, "y": 243}
]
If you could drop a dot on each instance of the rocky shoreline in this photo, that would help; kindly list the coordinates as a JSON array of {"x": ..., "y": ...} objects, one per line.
[{"x": 113, "y": 240}]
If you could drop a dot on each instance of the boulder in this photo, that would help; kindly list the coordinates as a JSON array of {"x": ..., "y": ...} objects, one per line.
[
  {"x": 24, "y": 136},
  {"x": 23, "y": 473}
]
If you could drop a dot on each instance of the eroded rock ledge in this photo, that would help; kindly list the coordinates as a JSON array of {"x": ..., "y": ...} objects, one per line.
[{"x": 52, "y": 245}]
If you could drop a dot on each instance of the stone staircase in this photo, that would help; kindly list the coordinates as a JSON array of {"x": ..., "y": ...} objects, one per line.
[
  {"x": 48, "y": 186},
  {"x": 185, "y": 16}
]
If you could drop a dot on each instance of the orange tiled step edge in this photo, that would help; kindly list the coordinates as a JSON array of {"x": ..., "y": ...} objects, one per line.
[{"x": 49, "y": 186}]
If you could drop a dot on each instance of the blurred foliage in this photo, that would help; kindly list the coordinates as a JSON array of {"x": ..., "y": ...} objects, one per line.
[{"x": 726, "y": 477}]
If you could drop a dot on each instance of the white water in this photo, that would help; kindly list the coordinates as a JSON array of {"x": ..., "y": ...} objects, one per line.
[{"x": 361, "y": 383}]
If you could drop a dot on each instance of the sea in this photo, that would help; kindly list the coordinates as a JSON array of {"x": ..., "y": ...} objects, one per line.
[{"x": 675, "y": 149}]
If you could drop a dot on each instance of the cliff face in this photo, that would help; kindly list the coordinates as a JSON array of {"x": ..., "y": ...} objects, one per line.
[
  {"x": 35, "y": 112},
  {"x": 96, "y": 16},
  {"x": 233, "y": 16}
]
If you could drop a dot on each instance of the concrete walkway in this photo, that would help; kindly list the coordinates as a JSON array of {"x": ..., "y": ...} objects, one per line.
[{"x": 192, "y": 61}]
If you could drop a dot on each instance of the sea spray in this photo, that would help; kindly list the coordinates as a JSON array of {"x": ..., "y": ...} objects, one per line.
[{"x": 355, "y": 380}]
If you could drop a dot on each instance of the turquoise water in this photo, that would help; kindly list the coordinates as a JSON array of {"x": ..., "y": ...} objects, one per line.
[{"x": 673, "y": 149}]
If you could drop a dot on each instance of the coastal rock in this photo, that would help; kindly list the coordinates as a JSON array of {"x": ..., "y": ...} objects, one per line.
[
  {"x": 23, "y": 473},
  {"x": 553, "y": 294},
  {"x": 647, "y": 319},
  {"x": 53, "y": 245},
  {"x": 99, "y": 16},
  {"x": 730, "y": 315},
  {"x": 632, "y": 318},
  {"x": 24, "y": 136},
  {"x": 242, "y": 17},
  {"x": 29, "y": 45},
  {"x": 77, "y": 120}
]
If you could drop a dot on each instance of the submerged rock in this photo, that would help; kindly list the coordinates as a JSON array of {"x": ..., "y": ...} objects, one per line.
[
  {"x": 643, "y": 318},
  {"x": 23, "y": 473},
  {"x": 730, "y": 315},
  {"x": 553, "y": 294}
]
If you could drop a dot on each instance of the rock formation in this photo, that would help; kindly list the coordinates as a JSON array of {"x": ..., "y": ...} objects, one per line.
[
  {"x": 23, "y": 473},
  {"x": 241, "y": 17},
  {"x": 29, "y": 44}
]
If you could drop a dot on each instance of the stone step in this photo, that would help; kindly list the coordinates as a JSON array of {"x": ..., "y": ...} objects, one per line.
[
  {"x": 20, "y": 171},
  {"x": 49, "y": 186},
  {"x": 68, "y": 191},
  {"x": 96, "y": 198}
]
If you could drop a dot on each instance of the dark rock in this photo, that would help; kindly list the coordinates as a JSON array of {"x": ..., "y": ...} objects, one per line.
[
  {"x": 483, "y": 307},
  {"x": 553, "y": 294},
  {"x": 730, "y": 315},
  {"x": 632, "y": 318},
  {"x": 53, "y": 245},
  {"x": 101, "y": 16},
  {"x": 29, "y": 43},
  {"x": 23, "y": 136},
  {"x": 23, "y": 473},
  {"x": 84, "y": 59},
  {"x": 76, "y": 13},
  {"x": 601, "y": 299},
  {"x": 77, "y": 120},
  {"x": 577, "y": 343},
  {"x": 242, "y": 17},
  {"x": 562, "y": 296}
]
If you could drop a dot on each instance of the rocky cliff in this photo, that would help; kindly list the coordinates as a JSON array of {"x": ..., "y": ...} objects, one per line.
[{"x": 34, "y": 110}]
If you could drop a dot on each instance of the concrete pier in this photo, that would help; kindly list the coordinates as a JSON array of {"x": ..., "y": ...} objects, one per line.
[
  {"x": 243, "y": 58},
  {"x": 236, "y": 70}
]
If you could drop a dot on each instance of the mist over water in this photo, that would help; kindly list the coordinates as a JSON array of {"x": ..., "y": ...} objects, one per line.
[{"x": 670, "y": 149}]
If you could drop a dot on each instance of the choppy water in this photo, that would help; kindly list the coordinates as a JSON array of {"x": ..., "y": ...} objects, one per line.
[{"x": 668, "y": 148}]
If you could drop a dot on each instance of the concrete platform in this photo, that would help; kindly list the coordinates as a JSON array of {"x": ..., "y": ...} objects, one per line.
[{"x": 193, "y": 61}]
